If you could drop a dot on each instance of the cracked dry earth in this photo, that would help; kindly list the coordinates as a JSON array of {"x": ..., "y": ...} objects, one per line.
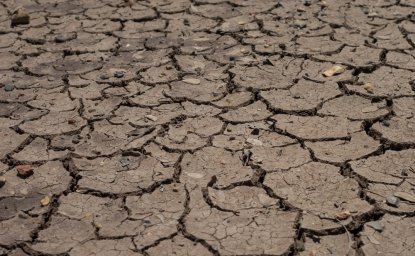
[{"x": 207, "y": 127}]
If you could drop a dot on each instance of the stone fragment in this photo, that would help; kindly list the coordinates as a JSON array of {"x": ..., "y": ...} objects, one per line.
[
  {"x": 193, "y": 81},
  {"x": 335, "y": 70},
  {"x": 376, "y": 225},
  {"x": 24, "y": 171},
  {"x": 45, "y": 201},
  {"x": 2, "y": 181},
  {"x": 343, "y": 215},
  {"x": 118, "y": 74},
  {"x": 20, "y": 17},
  {"x": 368, "y": 87},
  {"x": 8, "y": 87},
  {"x": 392, "y": 201}
]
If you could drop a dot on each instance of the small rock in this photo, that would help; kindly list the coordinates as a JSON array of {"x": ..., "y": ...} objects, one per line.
[
  {"x": 2, "y": 181},
  {"x": 65, "y": 37},
  {"x": 404, "y": 173},
  {"x": 195, "y": 175},
  {"x": 335, "y": 70},
  {"x": 300, "y": 23},
  {"x": 124, "y": 161},
  {"x": 104, "y": 77},
  {"x": 258, "y": 161},
  {"x": 255, "y": 131},
  {"x": 254, "y": 142},
  {"x": 392, "y": 201},
  {"x": 386, "y": 123},
  {"x": 23, "y": 215},
  {"x": 368, "y": 87},
  {"x": 267, "y": 61},
  {"x": 141, "y": 131},
  {"x": 20, "y": 17},
  {"x": 96, "y": 152},
  {"x": 376, "y": 225},
  {"x": 151, "y": 117},
  {"x": 60, "y": 39},
  {"x": 45, "y": 201},
  {"x": 373, "y": 14},
  {"x": 24, "y": 171},
  {"x": 246, "y": 156},
  {"x": 323, "y": 215},
  {"x": 191, "y": 81},
  {"x": 343, "y": 215},
  {"x": 71, "y": 121},
  {"x": 9, "y": 87},
  {"x": 118, "y": 74}
]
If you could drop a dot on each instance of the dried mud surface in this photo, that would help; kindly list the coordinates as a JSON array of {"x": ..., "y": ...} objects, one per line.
[{"x": 207, "y": 127}]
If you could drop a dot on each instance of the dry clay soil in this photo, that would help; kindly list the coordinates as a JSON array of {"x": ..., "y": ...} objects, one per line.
[{"x": 207, "y": 127}]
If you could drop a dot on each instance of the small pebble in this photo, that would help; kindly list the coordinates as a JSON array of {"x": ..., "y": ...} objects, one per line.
[
  {"x": 20, "y": 17},
  {"x": 65, "y": 37},
  {"x": 60, "y": 39},
  {"x": 300, "y": 23},
  {"x": 376, "y": 225},
  {"x": 119, "y": 74},
  {"x": 104, "y": 77},
  {"x": 151, "y": 117},
  {"x": 193, "y": 81},
  {"x": 9, "y": 87},
  {"x": 385, "y": 123},
  {"x": 24, "y": 171},
  {"x": 72, "y": 121},
  {"x": 392, "y": 201},
  {"x": 255, "y": 131},
  {"x": 124, "y": 161},
  {"x": 2, "y": 181},
  {"x": 45, "y": 201},
  {"x": 333, "y": 71},
  {"x": 140, "y": 131},
  {"x": 404, "y": 173},
  {"x": 23, "y": 215},
  {"x": 368, "y": 87},
  {"x": 246, "y": 156}
]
